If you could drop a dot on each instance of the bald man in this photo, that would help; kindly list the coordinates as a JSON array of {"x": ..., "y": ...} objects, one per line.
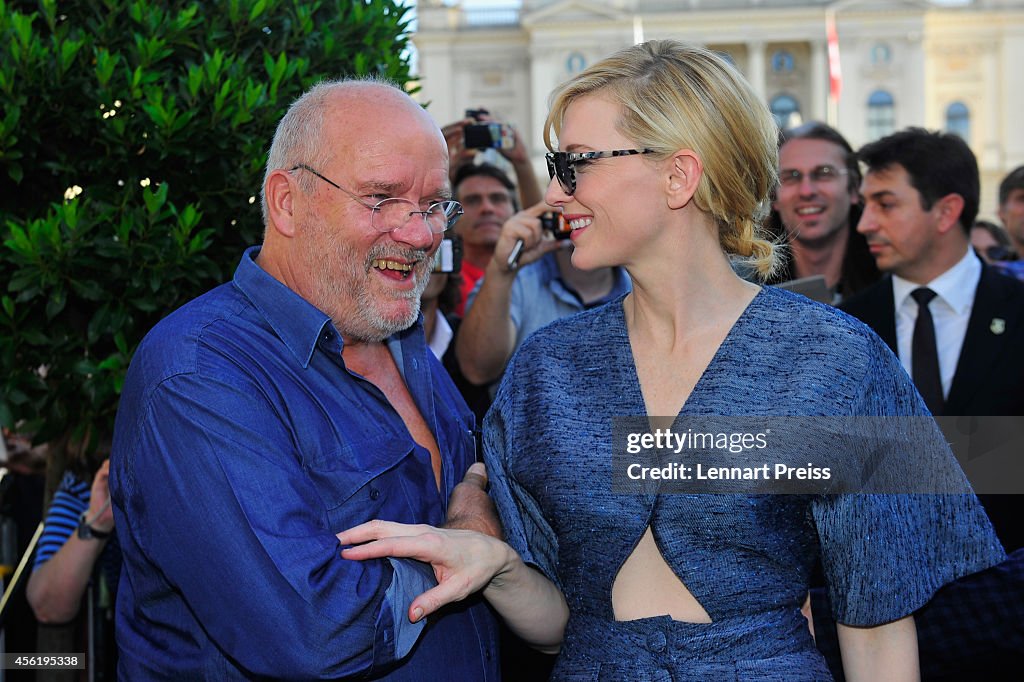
[{"x": 294, "y": 402}]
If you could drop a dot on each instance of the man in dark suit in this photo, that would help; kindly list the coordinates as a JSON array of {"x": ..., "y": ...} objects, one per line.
[
  {"x": 958, "y": 329},
  {"x": 921, "y": 198}
]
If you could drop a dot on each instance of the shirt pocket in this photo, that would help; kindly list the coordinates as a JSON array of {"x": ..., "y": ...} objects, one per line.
[{"x": 360, "y": 480}]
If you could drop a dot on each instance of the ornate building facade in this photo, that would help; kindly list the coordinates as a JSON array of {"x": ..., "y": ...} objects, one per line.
[{"x": 903, "y": 62}]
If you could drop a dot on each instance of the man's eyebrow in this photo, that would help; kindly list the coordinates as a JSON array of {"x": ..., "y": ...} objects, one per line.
[
  {"x": 382, "y": 186},
  {"x": 881, "y": 194}
]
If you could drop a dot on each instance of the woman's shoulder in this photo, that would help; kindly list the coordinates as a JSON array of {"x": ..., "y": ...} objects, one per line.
[{"x": 795, "y": 319}]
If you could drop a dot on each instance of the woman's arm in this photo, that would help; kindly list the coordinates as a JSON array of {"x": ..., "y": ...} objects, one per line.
[
  {"x": 883, "y": 652},
  {"x": 466, "y": 562}
]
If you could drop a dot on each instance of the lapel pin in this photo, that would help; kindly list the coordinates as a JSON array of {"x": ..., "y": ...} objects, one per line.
[{"x": 998, "y": 325}]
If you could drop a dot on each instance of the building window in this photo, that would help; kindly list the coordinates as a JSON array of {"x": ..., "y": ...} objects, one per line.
[
  {"x": 786, "y": 111},
  {"x": 575, "y": 63},
  {"x": 958, "y": 120},
  {"x": 881, "y": 54},
  {"x": 881, "y": 114},
  {"x": 782, "y": 61},
  {"x": 727, "y": 57}
]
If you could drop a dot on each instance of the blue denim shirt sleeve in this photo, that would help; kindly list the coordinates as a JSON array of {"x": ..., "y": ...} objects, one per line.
[
  {"x": 411, "y": 579},
  {"x": 263, "y": 572}
]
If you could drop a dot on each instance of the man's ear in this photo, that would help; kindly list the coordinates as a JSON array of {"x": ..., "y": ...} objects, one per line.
[
  {"x": 948, "y": 210},
  {"x": 684, "y": 172},
  {"x": 280, "y": 190}
]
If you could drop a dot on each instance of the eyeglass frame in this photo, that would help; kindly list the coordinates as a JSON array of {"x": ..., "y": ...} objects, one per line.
[
  {"x": 570, "y": 159},
  {"x": 375, "y": 209},
  {"x": 791, "y": 177}
]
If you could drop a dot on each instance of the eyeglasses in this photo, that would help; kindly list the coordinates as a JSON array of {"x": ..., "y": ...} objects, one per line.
[
  {"x": 391, "y": 214},
  {"x": 791, "y": 177},
  {"x": 562, "y": 165}
]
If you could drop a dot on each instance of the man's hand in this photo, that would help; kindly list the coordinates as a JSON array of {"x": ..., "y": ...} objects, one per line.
[
  {"x": 524, "y": 226},
  {"x": 454, "y": 137},
  {"x": 101, "y": 516},
  {"x": 470, "y": 508}
]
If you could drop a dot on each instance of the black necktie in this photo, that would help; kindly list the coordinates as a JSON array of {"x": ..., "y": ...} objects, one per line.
[{"x": 923, "y": 353}]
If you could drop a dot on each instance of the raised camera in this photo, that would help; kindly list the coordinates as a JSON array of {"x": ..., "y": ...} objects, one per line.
[
  {"x": 489, "y": 135},
  {"x": 448, "y": 257},
  {"x": 555, "y": 224}
]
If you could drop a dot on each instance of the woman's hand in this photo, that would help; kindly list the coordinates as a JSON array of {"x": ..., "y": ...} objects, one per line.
[{"x": 464, "y": 561}]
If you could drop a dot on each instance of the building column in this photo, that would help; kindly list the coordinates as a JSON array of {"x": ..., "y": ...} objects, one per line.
[
  {"x": 756, "y": 68},
  {"x": 991, "y": 110},
  {"x": 819, "y": 81}
]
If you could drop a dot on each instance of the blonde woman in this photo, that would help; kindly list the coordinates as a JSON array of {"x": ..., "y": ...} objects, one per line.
[{"x": 666, "y": 161}]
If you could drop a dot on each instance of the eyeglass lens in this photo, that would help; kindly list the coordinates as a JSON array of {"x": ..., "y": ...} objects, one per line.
[
  {"x": 392, "y": 214},
  {"x": 559, "y": 167},
  {"x": 817, "y": 175}
]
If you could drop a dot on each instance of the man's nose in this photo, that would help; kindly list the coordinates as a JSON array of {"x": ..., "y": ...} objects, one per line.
[
  {"x": 867, "y": 221},
  {"x": 415, "y": 232}
]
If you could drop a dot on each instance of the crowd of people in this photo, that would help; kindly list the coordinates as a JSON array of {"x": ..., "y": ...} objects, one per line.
[{"x": 294, "y": 483}]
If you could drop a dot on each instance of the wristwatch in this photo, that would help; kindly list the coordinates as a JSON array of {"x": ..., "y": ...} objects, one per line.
[{"x": 87, "y": 532}]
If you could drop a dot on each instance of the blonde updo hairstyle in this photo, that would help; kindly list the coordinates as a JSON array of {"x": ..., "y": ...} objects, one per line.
[{"x": 676, "y": 96}]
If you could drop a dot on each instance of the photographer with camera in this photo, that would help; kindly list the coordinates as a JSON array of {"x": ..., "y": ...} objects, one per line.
[
  {"x": 486, "y": 192},
  {"x": 521, "y": 294},
  {"x": 480, "y": 131}
]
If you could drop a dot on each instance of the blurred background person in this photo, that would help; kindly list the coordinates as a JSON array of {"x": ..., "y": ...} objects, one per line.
[
  {"x": 991, "y": 242},
  {"x": 78, "y": 550},
  {"x": 816, "y": 209},
  {"x": 485, "y": 190}
]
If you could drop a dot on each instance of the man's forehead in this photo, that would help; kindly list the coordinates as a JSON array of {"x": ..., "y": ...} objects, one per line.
[
  {"x": 811, "y": 153},
  {"x": 892, "y": 177},
  {"x": 482, "y": 184}
]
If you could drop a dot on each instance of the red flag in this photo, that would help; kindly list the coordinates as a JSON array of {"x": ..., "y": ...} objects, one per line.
[{"x": 835, "y": 74}]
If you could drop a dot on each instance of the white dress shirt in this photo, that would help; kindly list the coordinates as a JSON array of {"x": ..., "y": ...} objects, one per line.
[
  {"x": 442, "y": 336},
  {"x": 951, "y": 311}
]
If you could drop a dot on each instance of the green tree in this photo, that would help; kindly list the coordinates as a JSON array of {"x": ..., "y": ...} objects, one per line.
[{"x": 133, "y": 137}]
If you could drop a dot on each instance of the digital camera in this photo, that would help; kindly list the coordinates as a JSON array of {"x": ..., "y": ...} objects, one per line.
[
  {"x": 448, "y": 257},
  {"x": 554, "y": 223},
  {"x": 487, "y": 134}
]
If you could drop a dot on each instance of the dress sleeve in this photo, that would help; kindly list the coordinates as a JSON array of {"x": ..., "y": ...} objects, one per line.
[
  {"x": 885, "y": 555},
  {"x": 527, "y": 531}
]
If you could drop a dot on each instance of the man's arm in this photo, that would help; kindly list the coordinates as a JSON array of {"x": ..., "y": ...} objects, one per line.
[
  {"x": 487, "y": 336},
  {"x": 56, "y": 586},
  {"x": 210, "y": 501},
  {"x": 530, "y": 191},
  {"x": 471, "y": 508}
]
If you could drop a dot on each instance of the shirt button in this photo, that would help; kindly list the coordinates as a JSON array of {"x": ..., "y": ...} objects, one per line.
[
  {"x": 374, "y": 494},
  {"x": 656, "y": 642}
]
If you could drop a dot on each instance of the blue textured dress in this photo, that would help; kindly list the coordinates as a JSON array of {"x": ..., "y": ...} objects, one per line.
[{"x": 746, "y": 558}]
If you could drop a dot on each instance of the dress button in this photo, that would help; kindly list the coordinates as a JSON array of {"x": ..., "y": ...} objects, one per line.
[
  {"x": 374, "y": 494},
  {"x": 656, "y": 642}
]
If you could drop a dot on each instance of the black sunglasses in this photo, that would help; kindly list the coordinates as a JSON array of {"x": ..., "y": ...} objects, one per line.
[{"x": 562, "y": 165}]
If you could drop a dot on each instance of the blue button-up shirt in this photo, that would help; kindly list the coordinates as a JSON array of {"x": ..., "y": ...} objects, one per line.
[{"x": 242, "y": 445}]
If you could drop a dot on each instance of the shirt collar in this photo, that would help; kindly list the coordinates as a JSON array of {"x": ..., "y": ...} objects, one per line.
[
  {"x": 550, "y": 272},
  {"x": 956, "y": 286},
  {"x": 297, "y": 322},
  {"x": 442, "y": 336}
]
